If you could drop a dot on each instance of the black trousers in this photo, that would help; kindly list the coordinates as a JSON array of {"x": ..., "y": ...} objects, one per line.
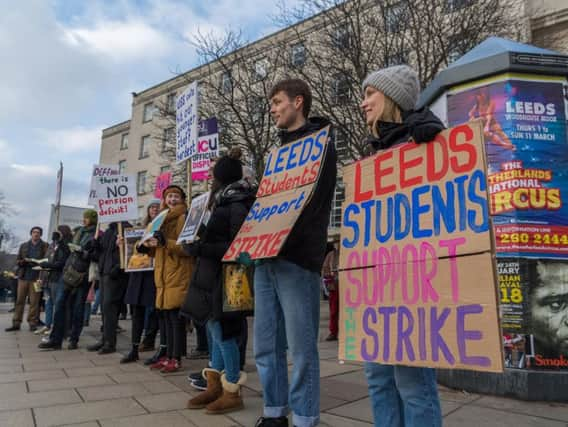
[
  {"x": 112, "y": 295},
  {"x": 201, "y": 333},
  {"x": 138, "y": 313},
  {"x": 152, "y": 328},
  {"x": 175, "y": 333}
]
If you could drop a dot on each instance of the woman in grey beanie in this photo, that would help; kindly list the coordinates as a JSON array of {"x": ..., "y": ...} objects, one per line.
[
  {"x": 401, "y": 396},
  {"x": 389, "y": 99}
]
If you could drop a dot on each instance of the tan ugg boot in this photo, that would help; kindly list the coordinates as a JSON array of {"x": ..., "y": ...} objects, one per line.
[
  {"x": 213, "y": 392},
  {"x": 231, "y": 399}
]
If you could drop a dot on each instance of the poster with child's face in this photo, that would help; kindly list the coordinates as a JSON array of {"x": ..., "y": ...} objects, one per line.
[{"x": 135, "y": 261}]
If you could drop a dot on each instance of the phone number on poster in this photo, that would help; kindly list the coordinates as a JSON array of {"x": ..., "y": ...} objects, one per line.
[{"x": 535, "y": 239}]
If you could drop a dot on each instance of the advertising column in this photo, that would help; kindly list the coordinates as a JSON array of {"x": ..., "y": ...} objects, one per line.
[{"x": 524, "y": 126}]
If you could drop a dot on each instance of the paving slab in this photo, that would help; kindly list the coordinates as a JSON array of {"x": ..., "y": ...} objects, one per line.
[
  {"x": 343, "y": 389},
  {"x": 29, "y": 376},
  {"x": 170, "y": 419},
  {"x": 37, "y": 400},
  {"x": 359, "y": 410},
  {"x": 66, "y": 383},
  {"x": 13, "y": 388},
  {"x": 200, "y": 419},
  {"x": 156, "y": 387},
  {"x": 48, "y": 365},
  {"x": 164, "y": 402},
  {"x": 136, "y": 377},
  {"x": 554, "y": 411},
  {"x": 17, "y": 418},
  {"x": 475, "y": 416},
  {"x": 335, "y": 421},
  {"x": 89, "y": 411},
  {"x": 114, "y": 391}
]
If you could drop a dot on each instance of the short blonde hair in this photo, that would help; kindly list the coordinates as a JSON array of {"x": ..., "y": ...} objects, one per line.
[{"x": 391, "y": 113}]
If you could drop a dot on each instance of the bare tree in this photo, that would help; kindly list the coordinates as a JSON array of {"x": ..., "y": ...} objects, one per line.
[
  {"x": 237, "y": 79},
  {"x": 7, "y": 237},
  {"x": 348, "y": 39}
]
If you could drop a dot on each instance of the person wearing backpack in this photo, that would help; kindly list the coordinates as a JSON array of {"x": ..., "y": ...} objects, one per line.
[{"x": 76, "y": 285}]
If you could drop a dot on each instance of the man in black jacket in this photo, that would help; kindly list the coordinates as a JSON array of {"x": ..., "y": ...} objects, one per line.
[
  {"x": 287, "y": 288},
  {"x": 113, "y": 287}
]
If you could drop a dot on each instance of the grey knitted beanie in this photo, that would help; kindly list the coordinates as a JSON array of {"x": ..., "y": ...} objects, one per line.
[{"x": 399, "y": 83}]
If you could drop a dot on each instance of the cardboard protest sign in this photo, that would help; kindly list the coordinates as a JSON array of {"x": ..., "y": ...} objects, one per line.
[
  {"x": 116, "y": 198},
  {"x": 186, "y": 123},
  {"x": 155, "y": 225},
  {"x": 194, "y": 219},
  {"x": 418, "y": 281},
  {"x": 135, "y": 261},
  {"x": 206, "y": 150},
  {"x": 162, "y": 182},
  {"x": 100, "y": 171},
  {"x": 289, "y": 179}
]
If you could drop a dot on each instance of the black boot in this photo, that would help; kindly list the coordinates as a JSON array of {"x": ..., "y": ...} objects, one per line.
[
  {"x": 132, "y": 356},
  {"x": 161, "y": 352},
  {"x": 95, "y": 347}
]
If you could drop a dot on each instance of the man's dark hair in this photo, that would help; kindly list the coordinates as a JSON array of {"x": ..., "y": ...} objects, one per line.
[
  {"x": 293, "y": 88},
  {"x": 38, "y": 229}
]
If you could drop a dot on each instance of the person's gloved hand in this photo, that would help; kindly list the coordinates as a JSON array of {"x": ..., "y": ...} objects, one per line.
[
  {"x": 193, "y": 249},
  {"x": 159, "y": 236},
  {"x": 245, "y": 259}
]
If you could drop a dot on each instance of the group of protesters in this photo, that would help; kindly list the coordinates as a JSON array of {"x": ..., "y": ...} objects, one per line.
[{"x": 186, "y": 282}]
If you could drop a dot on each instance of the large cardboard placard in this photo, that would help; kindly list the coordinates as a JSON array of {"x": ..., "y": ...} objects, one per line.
[
  {"x": 194, "y": 219},
  {"x": 117, "y": 199},
  {"x": 135, "y": 261},
  {"x": 289, "y": 179},
  {"x": 418, "y": 281},
  {"x": 100, "y": 171},
  {"x": 186, "y": 123}
]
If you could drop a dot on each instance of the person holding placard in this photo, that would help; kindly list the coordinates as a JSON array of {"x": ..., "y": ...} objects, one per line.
[
  {"x": 287, "y": 288},
  {"x": 172, "y": 271},
  {"x": 113, "y": 281},
  {"x": 140, "y": 294},
  {"x": 231, "y": 199},
  {"x": 400, "y": 395}
]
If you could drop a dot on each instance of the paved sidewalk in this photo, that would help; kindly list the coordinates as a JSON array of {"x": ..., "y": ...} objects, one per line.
[{"x": 56, "y": 388}]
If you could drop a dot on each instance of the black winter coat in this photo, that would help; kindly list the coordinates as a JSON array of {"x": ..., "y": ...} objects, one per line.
[
  {"x": 141, "y": 289},
  {"x": 205, "y": 295},
  {"x": 420, "y": 125},
  {"x": 108, "y": 253},
  {"x": 306, "y": 243},
  {"x": 56, "y": 261}
]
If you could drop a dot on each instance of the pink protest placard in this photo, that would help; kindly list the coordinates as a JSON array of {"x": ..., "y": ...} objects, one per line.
[{"x": 162, "y": 182}]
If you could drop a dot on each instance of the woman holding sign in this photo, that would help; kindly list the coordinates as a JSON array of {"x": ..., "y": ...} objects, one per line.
[
  {"x": 231, "y": 199},
  {"x": 140, "y": 294},
  {"x": 400, "y": 395},
  {"x": 172, "y": 270}
]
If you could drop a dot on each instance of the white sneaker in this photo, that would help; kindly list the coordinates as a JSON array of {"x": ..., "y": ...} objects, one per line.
[
  {"x": 47, "y": 331},
  {"x": 40, "y": 331},
  {"x": 45, "y": 339}
]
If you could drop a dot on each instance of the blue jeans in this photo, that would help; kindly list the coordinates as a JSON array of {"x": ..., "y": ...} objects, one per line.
[
  {"x": 97, "y": 302},
  {"x": 77, "y": 300},
  {"x": 403, "y": 396},
  {"x": 55, "y": 293},
  {"x": 287, "y": 311},
  {"x": 48, "y": 309},
  {"x": 225, "y": 353}
]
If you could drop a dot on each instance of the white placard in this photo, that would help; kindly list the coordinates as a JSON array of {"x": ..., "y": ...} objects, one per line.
[{"x": 186, "y": 123}]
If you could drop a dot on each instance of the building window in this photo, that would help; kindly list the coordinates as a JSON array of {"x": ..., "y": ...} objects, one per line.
[
  {"x": 340, "y": 89},
  {"x": 165, "y": 169},
  {"x": 298, "y": 55},
  {"x": 341, "y": 39},
  {"x": 261, "y": 69},
  {"x": 148, "y": 112},
  {"x": 338, "y": 199},
  {"x": 122, "y": 167},
  {"x": 257, "y": 108},
  {"x": 171, "y": 103},
  {"x": 226, "y": 82},
  {"x": 341, "y": 145},
  {"x": 141, "y": 182},
  {"x": 395, "y": 17},
  {"x": 455, "y": 5},
  {"x": 169, "y": 138},
  {"x": 457, "y": 47},
  {"x": 124, "y": 141},
  {"x": 397, "y": 58},
  {"x": 144, "y": 147}
]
